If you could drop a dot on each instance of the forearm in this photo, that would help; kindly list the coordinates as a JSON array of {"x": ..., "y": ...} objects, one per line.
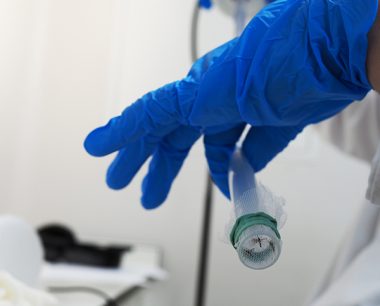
[{"x": 373, "y": 57}]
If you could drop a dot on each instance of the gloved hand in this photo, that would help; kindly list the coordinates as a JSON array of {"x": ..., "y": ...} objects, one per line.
[{"x": 298, "y": 62}]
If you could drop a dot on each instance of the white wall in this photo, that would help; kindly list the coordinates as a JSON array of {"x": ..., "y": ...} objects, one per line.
[{"x": 67, "y": 66}]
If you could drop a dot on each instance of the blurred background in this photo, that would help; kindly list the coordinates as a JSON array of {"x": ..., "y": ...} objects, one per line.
[{"x": 67, "y": 66}]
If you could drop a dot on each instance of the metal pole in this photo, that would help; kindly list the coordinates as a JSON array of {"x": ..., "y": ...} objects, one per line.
[{"x": 201, "y": 285}]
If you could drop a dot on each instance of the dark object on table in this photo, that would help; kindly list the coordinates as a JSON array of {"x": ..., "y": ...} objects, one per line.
[{"x": 61, "y": 246}]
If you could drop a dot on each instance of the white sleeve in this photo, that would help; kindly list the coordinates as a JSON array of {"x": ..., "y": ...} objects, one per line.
[
  {"x": 354, "y": 276},
  {"x": 356, "y": 279},
  {"x": 356, "y": 130}
]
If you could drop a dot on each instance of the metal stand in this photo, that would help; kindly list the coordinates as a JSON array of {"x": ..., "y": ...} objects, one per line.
[{"x": 201, "y": 285}]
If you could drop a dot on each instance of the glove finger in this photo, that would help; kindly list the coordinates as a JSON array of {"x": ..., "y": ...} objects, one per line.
[
  {"x": 153, "y": 114},
  {"x": 129, "y": 161},
  {"x": 262, "y": 144},
  {"x": 219, "y": 148},
  {"x": 165, "y": 165}
]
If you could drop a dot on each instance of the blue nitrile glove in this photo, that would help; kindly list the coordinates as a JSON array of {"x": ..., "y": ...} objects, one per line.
[{"x": 298, "y": 62}]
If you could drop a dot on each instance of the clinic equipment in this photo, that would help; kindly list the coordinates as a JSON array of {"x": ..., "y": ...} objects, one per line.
[
  {"x": 247, "y": 7},
  {"x": 240, "y": 10},
  {"x": 258, "y": 216}
]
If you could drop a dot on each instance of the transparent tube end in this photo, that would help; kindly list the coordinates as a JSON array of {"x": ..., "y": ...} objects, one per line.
[{"x": 258, "y": 247}]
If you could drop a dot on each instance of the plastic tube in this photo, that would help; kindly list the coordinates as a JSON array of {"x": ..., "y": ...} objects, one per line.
[{"x": 258, "y": 216}]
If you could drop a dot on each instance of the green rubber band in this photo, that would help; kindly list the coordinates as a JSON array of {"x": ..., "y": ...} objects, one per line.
[{"x": 249, "y": 220}]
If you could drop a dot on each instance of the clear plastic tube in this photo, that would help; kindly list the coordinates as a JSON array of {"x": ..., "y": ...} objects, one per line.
[{"x": 258, "y": 215}]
